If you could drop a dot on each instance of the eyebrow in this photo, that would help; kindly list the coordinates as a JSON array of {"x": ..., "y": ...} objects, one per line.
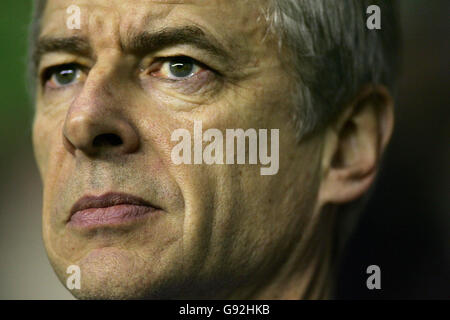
[
  {"x": 145, "y": 42},
  {"x": 140, "y": 43},
  {"x": 75, "y": 44}
]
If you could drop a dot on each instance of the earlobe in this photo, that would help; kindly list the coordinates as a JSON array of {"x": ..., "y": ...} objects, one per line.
[{"x": 354, "y": 144}]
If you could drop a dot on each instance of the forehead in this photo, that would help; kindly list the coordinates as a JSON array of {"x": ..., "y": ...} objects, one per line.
[{"x": 237, "y": 21}]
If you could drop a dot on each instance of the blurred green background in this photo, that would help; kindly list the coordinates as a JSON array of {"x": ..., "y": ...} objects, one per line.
[
  {"x": 405, "y": 229},
  {"x": 24, "y": 269},
  {"x": 15, "y": 110}
]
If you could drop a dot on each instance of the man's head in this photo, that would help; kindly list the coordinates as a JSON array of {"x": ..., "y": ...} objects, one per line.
[{"x": 110, "y": 94}]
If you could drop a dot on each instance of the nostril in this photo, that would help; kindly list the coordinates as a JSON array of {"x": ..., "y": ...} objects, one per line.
[{"x": 107, "y": 139}]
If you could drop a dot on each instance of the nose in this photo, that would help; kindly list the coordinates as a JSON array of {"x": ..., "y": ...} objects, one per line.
[{"x": 96, "y": 125}]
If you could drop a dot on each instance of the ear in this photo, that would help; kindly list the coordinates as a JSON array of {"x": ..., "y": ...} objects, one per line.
[{"x": 354, "y": 144}]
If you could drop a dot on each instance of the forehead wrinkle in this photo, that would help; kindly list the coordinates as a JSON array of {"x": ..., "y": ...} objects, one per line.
[
  {"x": 141, "y": 22},
  {"x": 99, "y": 28},
  {"x": 114, "y": 32},
  {"x": 103, "y": 28}
]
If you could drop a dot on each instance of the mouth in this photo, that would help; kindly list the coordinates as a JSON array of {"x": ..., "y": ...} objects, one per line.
[{"x": 111, "y": 209}]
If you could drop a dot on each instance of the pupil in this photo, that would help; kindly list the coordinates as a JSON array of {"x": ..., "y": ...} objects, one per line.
[
  {"x": 181, "y": 69},
  {"x": 66, "y": 76}
]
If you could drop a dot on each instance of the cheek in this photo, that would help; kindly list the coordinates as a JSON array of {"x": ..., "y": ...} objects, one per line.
[
  {"x": 40, "y": 144},
  {"x": 48, "y": 146}
]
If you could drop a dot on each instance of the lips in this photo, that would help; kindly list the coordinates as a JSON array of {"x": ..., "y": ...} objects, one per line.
[{"x": 111, "y": 209}]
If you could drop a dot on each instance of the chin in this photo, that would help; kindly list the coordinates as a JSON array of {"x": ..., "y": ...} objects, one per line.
[{"x": 112, "y": 273}]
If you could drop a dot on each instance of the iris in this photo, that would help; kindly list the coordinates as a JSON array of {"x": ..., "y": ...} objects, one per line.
[{"x": 181, "y": 67}]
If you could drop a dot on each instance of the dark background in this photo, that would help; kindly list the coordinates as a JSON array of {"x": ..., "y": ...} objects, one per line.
[{"x": 405, "y": 229}]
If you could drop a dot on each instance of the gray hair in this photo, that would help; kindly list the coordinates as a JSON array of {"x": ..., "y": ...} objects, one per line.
[
  {"x": 33, "y": 35},
  {"x": 334, "y": 54}
]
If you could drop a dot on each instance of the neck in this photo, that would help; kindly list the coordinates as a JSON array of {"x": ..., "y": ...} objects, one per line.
[{"x": 309, "y": 272}]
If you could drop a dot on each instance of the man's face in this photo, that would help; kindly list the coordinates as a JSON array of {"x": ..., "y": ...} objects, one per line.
[{"x": 103, "y": 125}]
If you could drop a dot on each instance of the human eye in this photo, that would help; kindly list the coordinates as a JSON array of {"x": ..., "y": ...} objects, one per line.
[
  {"x": 178, "y": 68},
  {"x": 61, "y": 76}
]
